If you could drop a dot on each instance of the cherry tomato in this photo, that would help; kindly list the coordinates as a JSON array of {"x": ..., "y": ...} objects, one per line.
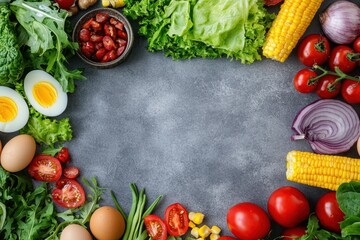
[
  {"x": 100, "y": 53},
  {"x": 350, "y": 91},
  {"x": 45, "y": 168},
  {"x": 314, "y": 49},
  {"x": 71, "y": 172},
  {"x": 226, "y": 238},
  {"x": 109, "y": 43},
  {"x": 110, "y": 31},
  {"x": 302, "y": 78},
  {"x": 96, "y": 38},
  {"x": 343, "y": 57},
  {"x": 288, "y": 206},
  {"x": 68, "y": 193},
  {"x": 322, "y": 89},
  {"x": 63, "y": 155},
  {"x": 65, "y": 4},
  {"x": 176, "y": 219},
  {"x": 122, "y": 34},
  {"x": 101, "y": 17},
  {"x": 88, "y": 48},
  {"x": 87, "y": 24},
  {"x": 84, "y": 35},
  {"x": 155, "y": 227},
  {"x": 248, "y": 221},
  {"x": 272, "y": 2},
  {"x": 293, "y": 233},
  {"x": 356, "y": 45},
  {"x": 328, "y": 212}
]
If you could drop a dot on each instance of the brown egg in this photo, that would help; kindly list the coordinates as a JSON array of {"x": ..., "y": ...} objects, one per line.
[
  {"x": 18, "y": 153},
  {"x": 0, "y": 147},
  {"x": 75, "y": 232},
  {"x": 107, "y": 223}
]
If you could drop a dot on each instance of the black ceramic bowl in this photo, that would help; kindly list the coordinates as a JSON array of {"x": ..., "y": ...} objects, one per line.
[{"x": 114, "y": 14}]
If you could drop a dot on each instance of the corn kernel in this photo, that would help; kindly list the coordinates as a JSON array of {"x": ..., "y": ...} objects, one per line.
[
  {"x": 215, "y": 229},
  {"x": 214, "y": 236},
  {"x": 191, "y": 224},
  {"x": 204, "y": 231},
  {"x": 195, "y": 232},
  {"x": 196, "y": 217}
]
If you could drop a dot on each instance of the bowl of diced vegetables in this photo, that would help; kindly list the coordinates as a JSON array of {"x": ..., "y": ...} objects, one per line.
[{"x": 105, "y": 37}]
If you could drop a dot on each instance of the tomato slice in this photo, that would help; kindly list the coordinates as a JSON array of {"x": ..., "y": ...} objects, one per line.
[
  {"x": 176, "y": 219},
  {"x": 45, "y": 168},
  {"x": 68, "y": 193},
  {"x": 71, "y": 172},
  {"x": 155, "y": 227}
]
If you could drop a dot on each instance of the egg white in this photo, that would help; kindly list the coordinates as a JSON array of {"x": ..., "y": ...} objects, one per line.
[
  {"x": 22, "y": 116},
  {"x": 60, "y": 103}
]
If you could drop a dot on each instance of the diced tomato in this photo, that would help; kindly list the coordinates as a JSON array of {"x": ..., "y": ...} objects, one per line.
[
  {"x": 68, "y": 193},
  {"x": 120, "y": 50},
  {"x": 88, "y": 49},
  {"x": 112, "y": 55},
  {"x": 84, "y": 35},
  {"x": 100, "y": 53},
  {"x": 121, "y": 42},
  {"x": 96, "y": 38},
  {"x": 122, "y": 34},
  {"x": 45, "y": 168},
  {"x": 96, "y": 26},
  {"x": 110, "y": 31},
  {"x": 108, "y": 43},
  {"x": 87, "y": 24},
  {"x": 102, "y": 17}
]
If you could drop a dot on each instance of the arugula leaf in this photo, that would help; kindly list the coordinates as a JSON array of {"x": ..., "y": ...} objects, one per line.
[
  {"x": 51, "y": 151},
  {"x": 313, "y": 231}
]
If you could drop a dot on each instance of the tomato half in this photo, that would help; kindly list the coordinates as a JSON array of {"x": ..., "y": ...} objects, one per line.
[
  {"x": 350, "y": 91},
  {"x": 45, "y": 168},
  {"x": 302, "y": 81},
  {"x": 176, "y": 219},
  {"x": 68, "y": 193},
  {"x": 293, "y": 233},
  {"x": 155, "y": 227},
  {"x": 328, "y": 212},
  {"x": 314, "y": 49},
  {"x": 288, "y": 206},
  {"x": 344, "y": 58},
  {"x": 322, "y": 89},
  {"x": 248, "y": 221},
  {"x": 226, "y": 238}
]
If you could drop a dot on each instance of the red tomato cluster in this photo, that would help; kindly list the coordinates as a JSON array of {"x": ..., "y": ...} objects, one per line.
[
  {"x": 289, "y": 208},
  {"x": 102, "y": 38},
  {"x": 315, "y": 49},
  {"x": 67, "y": 192},
  {"x": 175, "y": 223}
]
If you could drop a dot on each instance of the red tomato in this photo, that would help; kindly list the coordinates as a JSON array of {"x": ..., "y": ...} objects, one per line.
[
  {"x": 272, "y": 2},
  {"x": 288, "y": 206},
  {"x": 155, "y": 227},
  {"x": 102, "y": 17},
  {"x": 302, "y": 78},
  {"x": 293, "y": 233},
  {"x": 350, "y": 91},
  {"x": 71, "y": 172},
  {"x": 322, "y": 89},
  {"x": 63, "y": 155},
  {"x": 65, "y": 4},
  {"x": 100, "y": 53},
  {"x": 356, "y": 45},
  {"x": 84, "y": 35},
  {"x": 313, "y": 49},
  {"x": 68, "y": 193},
  {"x": 248, "y": 221},
  {"x": 343, "y": 57},
  {"x": 45, "y": 168},
  {"x": 108, "y": 43},
  {"x": 328, "y": 212},
  {"x": 226, "y": 238},
  {"x": 176, "y": 219}
]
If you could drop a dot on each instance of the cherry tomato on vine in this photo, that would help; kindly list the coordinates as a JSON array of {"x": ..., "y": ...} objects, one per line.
[
  {"x": 328, "y": 212},
  {"x": 356, "y": 45},
  {"x": 288, "y": 206},
  {"x": 68, "y": 193},
  {"x": 314, "y": 49},
  {"x": 226, "y": 238},
  {"x": 65, "y": 4},
  {"x": 322, "y": 89},
  {"x": 155, "y": 227},
  {"x": 63, "y": 155},
  {"x": 302, "y": 81},
  {"x": 293, "y": 233},
  {"x": 45, "y": 168},
  {"x": 176, "y": 219},
  {"x": 248, "y": 221},
  {"x": 344, "y": 58},
  {"x": 350, "y": 91}
]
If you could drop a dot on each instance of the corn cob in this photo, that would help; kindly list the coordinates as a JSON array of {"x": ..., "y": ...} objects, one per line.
[
  {"x": 290, "y": 24},
  {"x": 325, "y": 171}
]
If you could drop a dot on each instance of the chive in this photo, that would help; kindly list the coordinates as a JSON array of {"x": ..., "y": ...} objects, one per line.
[
  {"x": 134, "y": 193},
  {"x": 117, "y": 205}
]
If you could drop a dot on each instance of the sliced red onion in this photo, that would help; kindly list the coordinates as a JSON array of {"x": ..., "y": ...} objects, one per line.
[{"x": 330, "y": 126}]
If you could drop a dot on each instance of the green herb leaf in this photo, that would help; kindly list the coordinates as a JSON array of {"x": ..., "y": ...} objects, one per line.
[{"x": 348, "y": 197}]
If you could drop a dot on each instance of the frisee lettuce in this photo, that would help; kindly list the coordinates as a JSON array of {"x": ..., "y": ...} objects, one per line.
[{"x": 186, "y": 29}]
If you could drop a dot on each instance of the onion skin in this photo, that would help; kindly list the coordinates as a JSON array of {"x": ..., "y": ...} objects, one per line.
[
  {"x": 330, "y": 126},
  {"x": 341, "y": 22}
]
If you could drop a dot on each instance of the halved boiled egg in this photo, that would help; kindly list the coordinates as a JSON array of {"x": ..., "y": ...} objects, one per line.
[
  {"x": 44, "y": 93},
  {"x": 14, "y": 112}
]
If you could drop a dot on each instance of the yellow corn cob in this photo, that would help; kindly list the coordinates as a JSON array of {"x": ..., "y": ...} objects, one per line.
[
  {"x": 290, "y": 24},
  {"x": 325, "y": 171}
]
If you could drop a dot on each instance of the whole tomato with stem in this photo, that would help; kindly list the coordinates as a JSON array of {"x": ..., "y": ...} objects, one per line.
[
  {"x": 248, "y": 221},
  {"x": 302, "y": 81},
  {"x": 328, "y": 212},
  {"x": 344, "y": 58},
  {"x": 314, "y": 49},
  {"x": 288, "y": 206},
  {"x": 350, "y": 91},
  {"x": 327, "y": 88}
]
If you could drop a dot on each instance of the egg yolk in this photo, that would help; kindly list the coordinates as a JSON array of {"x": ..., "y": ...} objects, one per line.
[
  {"x": 8, "y": 109},
  {"x": 44, "y": 93}
]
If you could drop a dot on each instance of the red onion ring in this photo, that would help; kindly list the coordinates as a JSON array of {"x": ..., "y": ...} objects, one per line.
[{"x": 330, "y": 126}]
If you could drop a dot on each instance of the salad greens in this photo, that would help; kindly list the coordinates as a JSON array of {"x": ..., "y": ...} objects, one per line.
[
  {"x": 202, "y": 28},
  {"x": 42, "y": 33},
  {"x": 11, "y": 59}
]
